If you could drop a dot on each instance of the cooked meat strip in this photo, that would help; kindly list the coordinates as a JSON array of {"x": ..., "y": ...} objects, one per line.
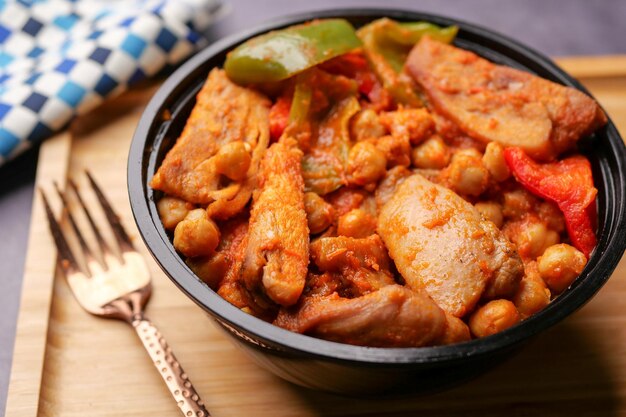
[
  {"x": 440, "y": 244},
  {"x": 492, "y": 102},
  {"x": 224, "y": 113},
  {"x": 277, "y": 254},
  {"x": 393, "y": 316}
]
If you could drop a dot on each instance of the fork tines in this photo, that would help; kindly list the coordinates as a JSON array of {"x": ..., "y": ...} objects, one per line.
[
  {"x": 66, "y": 257},
  {"x": 118, "y": 230}
]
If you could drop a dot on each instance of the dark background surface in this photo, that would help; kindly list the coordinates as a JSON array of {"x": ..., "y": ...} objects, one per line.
[{"x": 554, "y": 27}]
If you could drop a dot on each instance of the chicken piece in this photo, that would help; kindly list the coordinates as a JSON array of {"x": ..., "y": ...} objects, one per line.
[
  {"x": 362, "y": 265},
  {"x": 277, "y": 255},
  {"x": 224, "y": 113},
  {"x": 497, "y": 103},
  {"x": 393, "y": 316},
  {"x": 441, "y": 244}
]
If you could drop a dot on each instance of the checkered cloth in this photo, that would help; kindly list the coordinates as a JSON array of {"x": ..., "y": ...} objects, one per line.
[{"x": 61, "y": 58}]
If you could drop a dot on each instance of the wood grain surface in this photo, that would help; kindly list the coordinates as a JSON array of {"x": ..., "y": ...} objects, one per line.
[{"x": 68, "y": 363}]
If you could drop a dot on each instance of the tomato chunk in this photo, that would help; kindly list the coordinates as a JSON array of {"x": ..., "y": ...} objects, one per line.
[{"x": 279, "y": 117}]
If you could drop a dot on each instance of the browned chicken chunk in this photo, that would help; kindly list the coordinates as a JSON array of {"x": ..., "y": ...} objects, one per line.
[
  {"x": 224, "y": 113},
  {"x": 440, "y": 244},
  {"x": 393, "y": 316},
  {"x": 277, "y": 255},
  {"x": 497, "y": 103}
]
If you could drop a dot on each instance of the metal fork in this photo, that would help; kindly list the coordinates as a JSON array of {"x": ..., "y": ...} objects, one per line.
[{"x": 118, "y": 286}]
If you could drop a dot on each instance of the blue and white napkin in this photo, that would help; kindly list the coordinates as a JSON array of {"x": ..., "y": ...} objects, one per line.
[{"x": 61, "y": 58}]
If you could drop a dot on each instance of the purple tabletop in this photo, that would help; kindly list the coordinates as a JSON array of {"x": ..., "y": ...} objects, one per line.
[{"x": 554, "y": 27}]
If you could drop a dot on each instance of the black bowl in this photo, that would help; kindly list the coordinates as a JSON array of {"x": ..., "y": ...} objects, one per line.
[{"x": 336, "y": 367}]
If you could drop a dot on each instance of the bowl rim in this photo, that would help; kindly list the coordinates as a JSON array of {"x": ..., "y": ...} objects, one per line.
[{"x": 603, "y": 261}]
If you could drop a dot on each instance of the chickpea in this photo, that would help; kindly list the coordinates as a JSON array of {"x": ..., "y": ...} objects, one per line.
[
  {"x": 493, "y": 159},
  {"x": 456, "y": 331},
  {"x": 532, "y": 294},
  {"x": 432, "y": 154},
  {"x": 356, "y": 223},
  {"x": 552, "y": 216},
  {"x": 319, "y": 213},
  {"x": 366, "y": 125},
  {"x": 468, "y": 152},
  {"x": 493, "y": 317},
  {"x": 415, "y": 125},
  {"x": 552, "y": 238},
  {"x": 366, "y": 163},
  {"x": 196, "y": 235},
  {"x": 534, "y": 238},
  {"x": 233, "y": 160},
  {"x": 172, "y": 211},
  {"x": 516, "y": 203},
  {"x": 397, "y": 150},
  {"x": 491, "y": 211},
  {"x": 209, "y": 269},
  {"x": 560, "y": 265},
  {"x": 467, "y": 174}
]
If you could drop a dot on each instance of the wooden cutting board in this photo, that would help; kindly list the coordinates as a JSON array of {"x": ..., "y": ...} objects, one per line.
[{"x": 68, "y": 363}]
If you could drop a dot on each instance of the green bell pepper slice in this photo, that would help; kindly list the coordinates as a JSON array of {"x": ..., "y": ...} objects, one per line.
[
  {"x": 323, "y": 167},
  {"x": 280, "y": 54},
  {"x": 387, "y": 43}
]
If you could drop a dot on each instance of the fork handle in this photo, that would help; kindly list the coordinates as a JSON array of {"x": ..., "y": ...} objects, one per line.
[{"x": 172, "y": 373}]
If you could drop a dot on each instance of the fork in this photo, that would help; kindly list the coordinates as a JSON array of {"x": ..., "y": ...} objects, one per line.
[{"x": 117, "y": 285}]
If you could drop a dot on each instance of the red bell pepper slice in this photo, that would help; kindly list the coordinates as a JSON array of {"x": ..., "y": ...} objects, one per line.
[
  {"x": 279, "y": 117},
  {"x": 569, "y": 184}
]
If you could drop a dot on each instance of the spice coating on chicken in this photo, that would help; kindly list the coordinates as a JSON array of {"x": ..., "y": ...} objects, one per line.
[
  {"x": 224, "y": 113},
  {"x": 277, "y": 254},
  {"x": 492, "y": 102},
  {"x": 440, "y": 244},
  {"x": 393, "y": 316}
]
